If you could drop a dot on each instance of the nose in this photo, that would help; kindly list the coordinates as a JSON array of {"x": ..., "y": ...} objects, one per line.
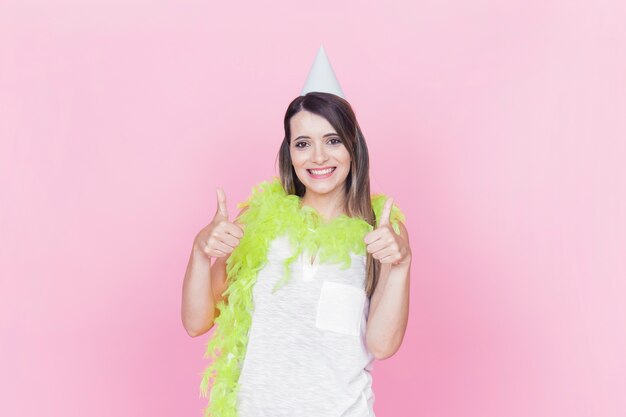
[{"x": 319, "y": 154}]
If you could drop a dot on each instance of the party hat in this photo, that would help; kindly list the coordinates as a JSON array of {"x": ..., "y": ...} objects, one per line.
[{"x": 322, "y": 77}]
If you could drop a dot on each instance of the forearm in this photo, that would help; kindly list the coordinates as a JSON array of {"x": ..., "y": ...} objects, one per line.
[
  {"x": 389, "y": 310},
  {"x": 198, "y": 301}
]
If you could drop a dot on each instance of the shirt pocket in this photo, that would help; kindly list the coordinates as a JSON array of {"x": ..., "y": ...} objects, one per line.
[{"x": 340, "y": 308}]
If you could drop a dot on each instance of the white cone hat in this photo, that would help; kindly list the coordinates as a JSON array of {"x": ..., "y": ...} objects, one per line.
[{"x": 322, "y": 77}]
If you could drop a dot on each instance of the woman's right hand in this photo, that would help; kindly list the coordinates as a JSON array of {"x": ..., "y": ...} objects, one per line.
[{"x": 220, "y": 237}]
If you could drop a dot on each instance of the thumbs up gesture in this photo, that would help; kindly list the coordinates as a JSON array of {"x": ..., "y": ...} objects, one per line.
[
  {"x": 220, "y": 237},
  {"x": 383, "y": 242}
]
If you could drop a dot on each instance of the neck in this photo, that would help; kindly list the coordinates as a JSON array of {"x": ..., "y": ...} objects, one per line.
[{"x": 328, "y": 206}]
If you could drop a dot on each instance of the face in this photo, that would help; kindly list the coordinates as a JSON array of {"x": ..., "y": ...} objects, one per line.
[{"x": 318, "y": 155}]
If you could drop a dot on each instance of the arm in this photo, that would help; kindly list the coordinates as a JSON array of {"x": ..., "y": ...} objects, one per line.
[
  {"x": 200, "y": 299},
  {"x": 389, "y": 305},
  {"x": 203, "y": 288},
  {"x": 198, "y": 305}
]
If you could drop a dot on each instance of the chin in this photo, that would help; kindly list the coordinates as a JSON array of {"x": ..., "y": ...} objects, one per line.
[{"x": 320, "y": 190}]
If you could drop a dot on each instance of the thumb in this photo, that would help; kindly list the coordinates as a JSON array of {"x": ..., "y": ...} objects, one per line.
[
  {"x": 221, "y": 203},
  {"x": 384, "y": 217}
]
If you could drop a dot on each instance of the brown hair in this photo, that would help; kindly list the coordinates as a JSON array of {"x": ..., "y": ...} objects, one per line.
[{"x": 340, "y": 115}]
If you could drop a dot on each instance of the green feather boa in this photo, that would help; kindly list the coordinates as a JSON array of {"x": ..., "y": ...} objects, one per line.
[{"x": 271, "y": 213}]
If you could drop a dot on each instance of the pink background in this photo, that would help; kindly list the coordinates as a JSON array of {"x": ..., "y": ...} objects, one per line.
[{"x": 499, "y": 128}]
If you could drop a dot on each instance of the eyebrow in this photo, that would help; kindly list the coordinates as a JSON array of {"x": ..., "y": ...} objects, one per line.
[{"x": 307, "y": 137}]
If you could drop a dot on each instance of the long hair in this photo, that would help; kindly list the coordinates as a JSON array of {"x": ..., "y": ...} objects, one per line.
[{"x": 341, "y": 117}]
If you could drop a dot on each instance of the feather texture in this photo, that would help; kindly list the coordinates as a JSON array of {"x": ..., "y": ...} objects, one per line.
[{"x": 271, "y": 213}]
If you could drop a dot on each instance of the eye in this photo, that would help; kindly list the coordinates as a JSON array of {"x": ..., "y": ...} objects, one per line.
[
  {"x": 335, "y": 141},
  {"x": 297, "y": 145}
]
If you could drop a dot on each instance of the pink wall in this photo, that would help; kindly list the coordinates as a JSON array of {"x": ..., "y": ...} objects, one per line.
[{"x": 499, "y": 128}]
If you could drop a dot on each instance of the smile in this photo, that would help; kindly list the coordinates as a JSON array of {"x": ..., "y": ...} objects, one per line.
[{"x": 321, "y": 173}]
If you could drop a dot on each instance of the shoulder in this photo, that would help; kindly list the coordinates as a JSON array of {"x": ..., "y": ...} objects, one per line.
[
  {"x": 272, "y": 186},
  {"x": 262, "y": 192},
  {"x": 268, "y": 201}
]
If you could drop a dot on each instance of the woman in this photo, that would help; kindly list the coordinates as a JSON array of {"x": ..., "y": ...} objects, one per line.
[{"x": 310, "y": 283}]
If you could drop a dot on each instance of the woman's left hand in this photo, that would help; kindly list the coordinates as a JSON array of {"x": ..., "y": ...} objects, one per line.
[{"x": 383, "y": 242}]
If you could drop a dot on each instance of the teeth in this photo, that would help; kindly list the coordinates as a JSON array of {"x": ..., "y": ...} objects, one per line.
[{"x": 321, "y": 172}]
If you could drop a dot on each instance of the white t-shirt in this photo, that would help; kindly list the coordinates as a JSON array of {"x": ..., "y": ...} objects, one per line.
[{"x": 306, "y": 354}]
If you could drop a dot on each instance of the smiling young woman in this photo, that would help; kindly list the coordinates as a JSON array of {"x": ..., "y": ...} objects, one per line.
[
  {"x": 310, "y": 281},
  {"x": 321, "y": 162},
  {"x": 347, "y": 189}
]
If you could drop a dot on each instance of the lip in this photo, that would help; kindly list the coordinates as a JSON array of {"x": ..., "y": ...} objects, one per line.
[{"x": 321, "y": 177}]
